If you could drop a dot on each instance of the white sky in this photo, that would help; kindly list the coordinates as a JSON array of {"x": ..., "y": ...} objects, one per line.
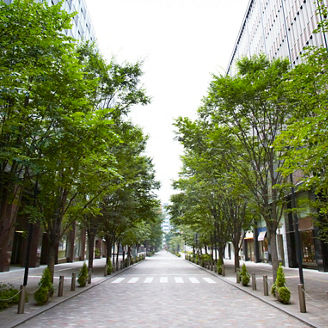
[{"x": 181, "y": 42}]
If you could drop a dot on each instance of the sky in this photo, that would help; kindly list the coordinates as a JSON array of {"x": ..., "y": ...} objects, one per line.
[{"x": 181, "y": 44}]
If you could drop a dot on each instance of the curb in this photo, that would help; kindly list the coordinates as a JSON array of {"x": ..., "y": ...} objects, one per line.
[
  {"x": 45, "y": 308},
  {"x": 256, "y": 296}
]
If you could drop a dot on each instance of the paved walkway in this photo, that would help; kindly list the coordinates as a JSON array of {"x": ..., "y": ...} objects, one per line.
[
  {"x": 163, "y": 291},
  {"x": 10, "y": 318},
  {"x": 316, "y": 290}
]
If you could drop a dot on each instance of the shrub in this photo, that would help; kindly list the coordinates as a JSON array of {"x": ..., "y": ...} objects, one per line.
[
  {"x": 46, "y": 289},
  {"x": 41, "y": 296},
  {"x": 279, "y": 288},
  {"x": 8, "y": 295},
  {"x": 219, "y": 266},
  {"x": 244, "y": 275},
  {"x": 283, "y": 295},
  {"x": 109, "y": 267},
  {"x": 83, "y": 276}
]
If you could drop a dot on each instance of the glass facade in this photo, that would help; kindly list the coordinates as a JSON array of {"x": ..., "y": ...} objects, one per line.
[{"x": 278, "y": 28}]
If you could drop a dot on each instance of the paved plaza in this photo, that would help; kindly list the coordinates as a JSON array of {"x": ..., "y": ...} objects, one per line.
[{"x": 163, "y": 291}]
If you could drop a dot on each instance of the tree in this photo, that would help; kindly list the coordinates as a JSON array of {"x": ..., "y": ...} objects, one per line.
[
  {"x": 212, "y": 163},
  {"x": 252, "y": 105},
  {"x": 303, "y": 141},
  {"x": 34, "y": 49}
]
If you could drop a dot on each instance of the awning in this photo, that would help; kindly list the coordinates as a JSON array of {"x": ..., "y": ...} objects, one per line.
[
  {"x": 261, "y": 236},
  {"x": 249, "y": 235}
]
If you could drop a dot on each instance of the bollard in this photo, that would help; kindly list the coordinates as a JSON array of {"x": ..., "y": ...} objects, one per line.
[
  {"x": 223, "y": 270},
  {"x": 61, "y": 286},
  {"x": 253, "y": 281},
  {"x": 301, "y": 298},
  {"x": 237, "y": 276},
  {"x": 73, "y": 282},
  {"x": 265, "y": 286},
  {"x": 89, "y": 276},
  {"x": 21, "y": 301}
]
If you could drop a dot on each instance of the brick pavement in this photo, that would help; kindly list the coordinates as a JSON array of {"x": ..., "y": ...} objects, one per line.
[
  {"x": 177, "y": 301},
  {"x": 316, "y": 290},
  {"x": 10, "y": 318}
]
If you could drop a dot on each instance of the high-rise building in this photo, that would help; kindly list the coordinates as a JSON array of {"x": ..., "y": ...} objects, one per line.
[
  {"x": 81, "y": 23},
  {"x": 282, "y": 29},
  {"x": 278, "y": 28}
]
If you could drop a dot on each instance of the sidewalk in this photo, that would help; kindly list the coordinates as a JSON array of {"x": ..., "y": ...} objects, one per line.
[
  {"x": 316, "y": 290},
  {"x": 9, "y": 317}
]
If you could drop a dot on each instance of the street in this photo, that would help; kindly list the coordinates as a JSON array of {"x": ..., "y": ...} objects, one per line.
[{"x": 163, "y": 291}]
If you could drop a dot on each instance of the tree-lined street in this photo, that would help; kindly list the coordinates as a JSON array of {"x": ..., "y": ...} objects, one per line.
[{"x": 163, "y": 291}]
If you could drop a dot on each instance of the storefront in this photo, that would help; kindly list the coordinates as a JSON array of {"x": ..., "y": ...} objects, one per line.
[
  {"x": 305, "y": 227},
  {"x": 248, "y": 247},
  {"x": 263, "y": 244}
]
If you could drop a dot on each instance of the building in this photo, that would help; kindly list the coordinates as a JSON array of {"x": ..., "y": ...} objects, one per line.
[
  {"x": 277, "y": 28},
  {"x": 73, "y": 245},
  {"x": 282, "y": 29}
]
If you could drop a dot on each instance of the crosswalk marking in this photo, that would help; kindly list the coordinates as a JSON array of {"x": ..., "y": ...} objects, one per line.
[
  {"x": 194, "y": 280},
  {"x": 117, "y": 281},
  {"x": 133, "y": 280},
  {"x": 178, "y": 280},
  {"x": 209, "y": 280},
  {"x": 148, "y": 280},
  {"x": 163, "y": 280}
]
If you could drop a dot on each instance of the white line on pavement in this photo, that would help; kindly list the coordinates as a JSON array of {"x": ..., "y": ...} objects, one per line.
[
  {"x": 178, "y": 280},
  {"x": 148, "y": 280},
  {"x": 194, "y": 280},
  {"x": 117, "y": 281},
  {"x": 133, "y": 280},
  {"x": 209, "y": 280}
]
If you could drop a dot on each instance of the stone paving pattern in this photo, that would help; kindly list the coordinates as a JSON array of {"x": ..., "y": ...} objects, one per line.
[{"x": 164, "y": 304}]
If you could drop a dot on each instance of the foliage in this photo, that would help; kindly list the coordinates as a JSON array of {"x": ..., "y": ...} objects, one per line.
[
  {"x": 244, "y": 275},
  {"x": 109, "y": 267},
  {"x": 64, "y": 129},
  {"x": 8, "y": 295},
  {"x": 303, "y": 141},
  {"x": 219, "y": 266},
  {"x": 284, "y": 295},
  {"x": 279, "y": 288},
  {"x": 83, "y": 275},
  {"x": 46, "y": 289}
]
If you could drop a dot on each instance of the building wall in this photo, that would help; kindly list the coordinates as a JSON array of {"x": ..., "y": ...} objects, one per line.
[{"x": 277, "y": 28}]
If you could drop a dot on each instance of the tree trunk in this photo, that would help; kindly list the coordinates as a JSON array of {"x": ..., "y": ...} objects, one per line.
[
  {"x": 91, "y": 244},
  {"x": 109, "y": 246},
  {"x": 274, "y": 253},
  {"x": 236, "y": 249},
  {"x": 117, "y": 254},
  {"x": 221, "y": 252},
  {"x": 8, "y": 215},
  {"x": 52, "y": 253}
]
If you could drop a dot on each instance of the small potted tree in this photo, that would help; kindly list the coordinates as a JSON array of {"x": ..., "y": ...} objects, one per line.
[
  {"x": 46, "y": 289},
  {"x": 244, "y": 275},
  {"x": 279, "y": 288},
  {"x": 83, "y": 276}
]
